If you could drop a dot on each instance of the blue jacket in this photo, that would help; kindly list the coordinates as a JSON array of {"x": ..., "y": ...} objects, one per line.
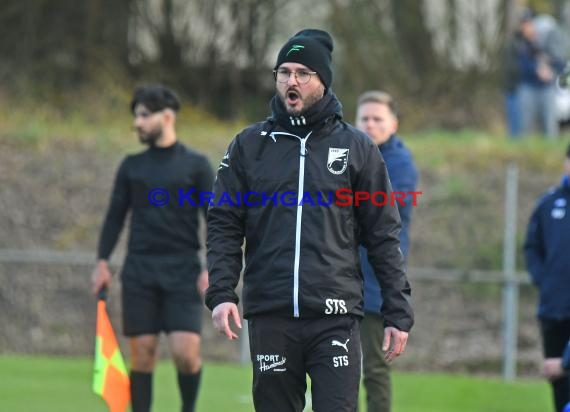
[
  {"x": 528, "y": 56},
  {"x": 404, "y": 177},
  {"x": 547, "y": 248},
  {"x": 566, "y": 358}
]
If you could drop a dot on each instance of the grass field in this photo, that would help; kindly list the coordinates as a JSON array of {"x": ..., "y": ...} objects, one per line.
[{"x": 34, "y": 384}]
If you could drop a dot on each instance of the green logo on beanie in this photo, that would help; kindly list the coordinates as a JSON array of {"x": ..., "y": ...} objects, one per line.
[{"x": 295, "y": 47}]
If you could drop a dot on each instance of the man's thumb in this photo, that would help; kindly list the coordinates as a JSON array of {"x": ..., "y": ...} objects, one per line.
[
  {"x": 386, "y": 343},
  {"x": 235, "y": 314}
]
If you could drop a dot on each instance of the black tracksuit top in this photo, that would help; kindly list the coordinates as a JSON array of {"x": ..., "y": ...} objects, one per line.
[
  {"x": 155, "y": 231},
  {"x": 302, "y": 260}
]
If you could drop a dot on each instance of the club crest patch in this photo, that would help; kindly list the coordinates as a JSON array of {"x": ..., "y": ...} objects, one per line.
[
  {"x": 560, "y": 202},
  {"x": 337, "y": 160},
  {"x": 558, "y": 213}
]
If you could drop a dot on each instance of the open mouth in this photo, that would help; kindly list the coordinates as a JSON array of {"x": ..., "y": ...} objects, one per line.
[{"x": 292, "y": 97}]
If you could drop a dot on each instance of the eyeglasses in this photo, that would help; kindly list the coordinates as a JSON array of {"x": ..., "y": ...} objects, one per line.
[{"x": 283, "y": 75}]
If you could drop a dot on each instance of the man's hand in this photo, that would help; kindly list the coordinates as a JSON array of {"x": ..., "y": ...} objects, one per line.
[
  {"x": 202, "y": 282},
  {"x": 394, "y": 343},
  {"x": 221, "y": 317},
  {"x": 544, "y": 71},
  {"x": 552, "y": 368},
  {"x": 101, "y": 277}
]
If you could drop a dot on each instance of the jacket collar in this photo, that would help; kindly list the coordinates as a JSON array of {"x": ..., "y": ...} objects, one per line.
[{"x": 389, "y": 144}]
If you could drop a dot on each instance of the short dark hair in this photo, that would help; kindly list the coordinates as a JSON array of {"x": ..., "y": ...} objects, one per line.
[
  {"x": 526, "y": 14},
  {"x": 377, "y": 96},
  {"x": 155, "y": 97}
]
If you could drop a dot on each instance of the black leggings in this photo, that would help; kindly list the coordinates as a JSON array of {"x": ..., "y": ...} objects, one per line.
[{"x": 555, "y": 336}]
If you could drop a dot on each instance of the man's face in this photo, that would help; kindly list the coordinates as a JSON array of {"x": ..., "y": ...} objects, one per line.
[
  {"x": 567, "y": 166},
  {"x": 377, "y": 121},
  {"x": 528, "y": 30},
  {"x": 147, "y": 124},
  {"x": 296, "y": 97}
]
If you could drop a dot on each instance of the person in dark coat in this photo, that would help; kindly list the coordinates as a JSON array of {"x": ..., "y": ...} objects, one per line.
[
  {"x": 377, "y": 116},
  {"x": 548, "y": 262}
]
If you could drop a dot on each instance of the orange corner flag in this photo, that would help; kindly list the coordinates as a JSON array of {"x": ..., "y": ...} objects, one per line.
[{"x": 110, "y": 377}]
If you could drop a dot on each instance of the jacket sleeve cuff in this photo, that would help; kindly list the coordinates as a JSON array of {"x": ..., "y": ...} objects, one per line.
[
  {"x": 403, "y": 325},
  {"x": 215, "y": 301}
]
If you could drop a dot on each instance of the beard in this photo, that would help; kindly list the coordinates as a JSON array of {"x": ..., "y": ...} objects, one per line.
[
  {"x": 149, "y": 138},
  {"x": 308, "y": 101}
]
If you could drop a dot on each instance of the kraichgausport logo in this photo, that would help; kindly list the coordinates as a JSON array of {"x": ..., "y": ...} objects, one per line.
[
  {"x": 337, "y": 160},
  {"x": 343, "y": 197}
]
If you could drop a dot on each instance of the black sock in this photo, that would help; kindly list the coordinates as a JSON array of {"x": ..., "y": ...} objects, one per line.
[
  {"x": 141, "y": 391},
  {"x": 188, "y": 384}
]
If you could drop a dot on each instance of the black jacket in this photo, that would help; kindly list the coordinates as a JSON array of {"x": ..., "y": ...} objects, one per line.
[{"x": 302, "y": 260}]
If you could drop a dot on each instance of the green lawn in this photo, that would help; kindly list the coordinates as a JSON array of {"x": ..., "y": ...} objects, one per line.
[{"x": 31, "y": 384}]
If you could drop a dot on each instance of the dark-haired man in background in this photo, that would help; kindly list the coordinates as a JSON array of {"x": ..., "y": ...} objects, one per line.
[{"x": 162, "y": 278}]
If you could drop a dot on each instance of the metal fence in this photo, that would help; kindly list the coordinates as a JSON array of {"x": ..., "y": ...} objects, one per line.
[
  {"x": 466, "y": 320},
  {"x": 46, "y": 308}
]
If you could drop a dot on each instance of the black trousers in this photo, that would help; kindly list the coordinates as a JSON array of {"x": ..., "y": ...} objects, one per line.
[
  {"x": 285, "y": 350},
  {"x": 555, "y": 336}
]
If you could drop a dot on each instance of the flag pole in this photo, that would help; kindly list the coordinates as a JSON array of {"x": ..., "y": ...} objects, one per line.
[{"x": 110, "y": 376}]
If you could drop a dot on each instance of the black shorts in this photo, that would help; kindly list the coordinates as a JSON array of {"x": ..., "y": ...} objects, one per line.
[
  {"x": 284, "y": 350},
  {"x": 160, "y": 295}
]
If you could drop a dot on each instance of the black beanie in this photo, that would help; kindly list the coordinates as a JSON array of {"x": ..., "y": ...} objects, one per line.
[{"x": 312, "y": 48}]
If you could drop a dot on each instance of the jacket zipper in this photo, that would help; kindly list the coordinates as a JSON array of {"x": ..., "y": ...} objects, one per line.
[{"x": 300, "y": 188}]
